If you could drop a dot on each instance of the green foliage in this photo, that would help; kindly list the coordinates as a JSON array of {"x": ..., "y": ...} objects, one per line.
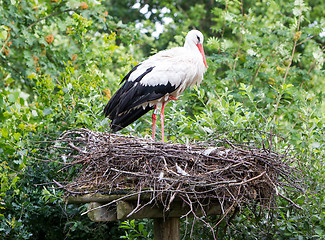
[
  {"x": 141, "y": 229},
  {"x": 8, "y": 182},
  {"x": 60, "y": 63}
]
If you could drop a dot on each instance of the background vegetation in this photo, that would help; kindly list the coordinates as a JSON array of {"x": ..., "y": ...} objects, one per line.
[{"x": 60, "y": 60}]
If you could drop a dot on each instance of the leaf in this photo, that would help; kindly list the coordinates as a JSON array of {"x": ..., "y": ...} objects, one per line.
[
  {"x": 319, "y": 232},
  {"x": 318, "y": 55},
  {"x": 251, "y": 52},
  {"x": 141, "y": 226},
  {"x": 296, "y": 11},
  {"x": 12, "y": 98},
  {"x": 16, "y": 136},
  {"x": 213, "y": 43},
  {"x": 1, "y": 101},
  {"x": 47, "y": 111},
  {"x": 3, "y": 32},
  {"x": 299, "y": 2},
  {"x": 34, "y": 113},
  {"x": 315, "y": 145}
]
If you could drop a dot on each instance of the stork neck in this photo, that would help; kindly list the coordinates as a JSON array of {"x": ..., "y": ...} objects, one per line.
[{"x": 191, "y": 46}]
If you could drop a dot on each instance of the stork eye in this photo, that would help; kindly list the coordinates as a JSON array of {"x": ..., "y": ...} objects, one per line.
[{"x": 198, "y": 38}]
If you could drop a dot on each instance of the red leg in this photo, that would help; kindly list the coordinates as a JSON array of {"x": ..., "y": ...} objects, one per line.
[
  {"x": 162, "y": 119},
  {"x": 154, "y": 119}
]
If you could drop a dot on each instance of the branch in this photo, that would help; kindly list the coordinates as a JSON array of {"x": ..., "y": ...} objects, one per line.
[
  {"x": 249, "y": 180},
  {"x": 305, "y": 40},
  {"x": 291, "y": 59},
  {"x": 293, "y": 50},
  {"x": 289, "y": 200},
  {"x": 63, "y": 187},
  {"x": 228, "y": 210},
  {"x": 259, "y": 67},
  {"x": 77, "y": 148},
  {"x": 114, "y": 201}
]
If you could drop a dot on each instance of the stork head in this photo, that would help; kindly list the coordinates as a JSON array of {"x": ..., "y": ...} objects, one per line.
[{"x": 195, "y": 38}]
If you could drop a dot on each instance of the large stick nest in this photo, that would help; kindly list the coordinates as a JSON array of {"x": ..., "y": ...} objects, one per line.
[{"x": 219, "y": 170}]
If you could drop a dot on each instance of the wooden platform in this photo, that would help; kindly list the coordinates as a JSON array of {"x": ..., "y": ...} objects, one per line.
[{"x": 119, "y": 207}]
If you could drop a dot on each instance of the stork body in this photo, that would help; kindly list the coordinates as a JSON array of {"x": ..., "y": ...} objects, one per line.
[{"x": 156, "y": 81}]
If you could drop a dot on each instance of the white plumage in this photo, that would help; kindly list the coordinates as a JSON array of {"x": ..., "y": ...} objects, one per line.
[{"x": 157, "y": 80}]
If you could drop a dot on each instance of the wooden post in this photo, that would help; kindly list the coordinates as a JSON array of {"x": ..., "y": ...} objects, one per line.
[{"x": 166, "y": 229}]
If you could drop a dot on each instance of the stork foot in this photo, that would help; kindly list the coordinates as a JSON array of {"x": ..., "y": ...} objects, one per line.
[{"x": 172, "y": 98}]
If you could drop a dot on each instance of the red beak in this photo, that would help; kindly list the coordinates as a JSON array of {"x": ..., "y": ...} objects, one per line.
[{"x": 200, "y": 47}]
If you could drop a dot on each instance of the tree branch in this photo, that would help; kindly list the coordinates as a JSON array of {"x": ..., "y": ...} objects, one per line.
[{"x": 305, "y": 40}]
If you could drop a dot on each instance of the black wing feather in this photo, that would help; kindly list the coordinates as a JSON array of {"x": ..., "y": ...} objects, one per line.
[
  {"x": 150, "y": 93},
  {"x": 123, "y": 108},
  {"x": 116, "y": 102},
  {"x": 120, "y": 122}
]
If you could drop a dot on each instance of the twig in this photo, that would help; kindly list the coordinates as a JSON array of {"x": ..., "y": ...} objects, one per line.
[
  {"x": 249, "y": 180},
  {"x": 289, "y": 200},
  {"x": 303, "y": 41},
  {"x": 69, "y": 191},
  {"x": 228, "y": 210},
  {"x": 138, "y": 204},
  {"x": 292, "y": 54},
  {"x": 70, "y": 144},
  {"x": 114, "y": 201}
]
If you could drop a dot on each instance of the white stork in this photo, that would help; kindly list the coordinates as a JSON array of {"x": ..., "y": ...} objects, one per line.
[{"x": 156, "y": 81}]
